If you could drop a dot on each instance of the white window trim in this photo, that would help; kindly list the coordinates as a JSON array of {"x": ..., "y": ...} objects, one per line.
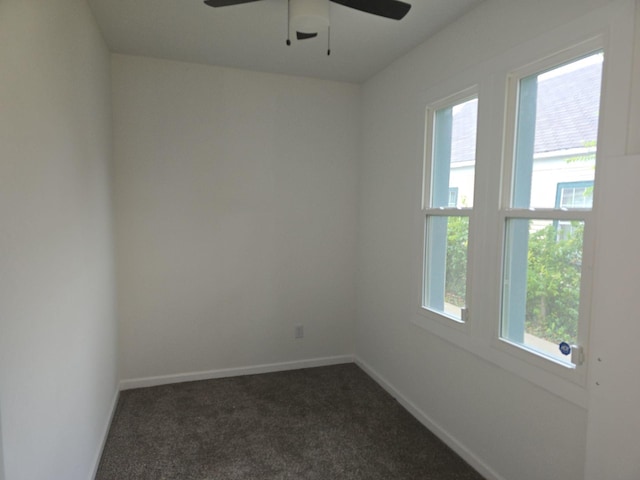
[
  {"x": 608, "y": 29},
  {"x": 582, "y": 49},
  {"x": 574, "y": 373},
  {"x": 466, "y": 94}
]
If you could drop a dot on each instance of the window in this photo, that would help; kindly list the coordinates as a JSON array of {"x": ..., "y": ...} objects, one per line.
[
  {"x": 574, "y": 195},
  {"x": 555, "y": 121},
  {"x": 453, "y": 197},
  {"x": 448, "y": 202},
  {"x": 514, "y": 171}
]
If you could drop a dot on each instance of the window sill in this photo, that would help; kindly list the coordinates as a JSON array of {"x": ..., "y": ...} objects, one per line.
[{"x": 562, "y": 380}]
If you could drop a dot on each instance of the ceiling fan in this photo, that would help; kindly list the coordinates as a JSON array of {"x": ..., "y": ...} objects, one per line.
[{"x": 308, "y": 17}]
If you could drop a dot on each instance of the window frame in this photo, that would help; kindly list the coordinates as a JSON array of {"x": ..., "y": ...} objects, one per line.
[
  {"x": 572, "y": 372},
  {"x": 461, "y": 96}
]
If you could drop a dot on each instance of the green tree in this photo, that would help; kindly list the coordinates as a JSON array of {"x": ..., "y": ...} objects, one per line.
[
  {"x": 457, "y": 243},
  {"x": 553, "y": 282},
  {"x": 553, "y": 277}
]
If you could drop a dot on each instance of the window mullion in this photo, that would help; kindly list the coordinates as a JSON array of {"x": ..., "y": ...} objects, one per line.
[
  {"x": 447, "y": 212},
  {"x": 546, "y": 213}
]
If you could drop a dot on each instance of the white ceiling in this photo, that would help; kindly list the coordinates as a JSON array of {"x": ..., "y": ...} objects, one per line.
[{"x": 252, "y": 36}]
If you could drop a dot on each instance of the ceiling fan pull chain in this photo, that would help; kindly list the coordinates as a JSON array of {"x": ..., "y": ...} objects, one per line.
[
  {"x": 328, "y": 40},
  {"x": 288, "y": 22}
]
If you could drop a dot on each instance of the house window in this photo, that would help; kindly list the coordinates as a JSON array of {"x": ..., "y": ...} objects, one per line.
[
  {"x": 574, "y": 194},
  {"x": 450, "y": 169},
  {"x": 453, "y": 197},
  {"x": 555, "y": 123}
]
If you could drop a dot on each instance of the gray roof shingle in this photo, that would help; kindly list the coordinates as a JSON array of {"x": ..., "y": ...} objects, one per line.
[{"x": 567, "y": 114}]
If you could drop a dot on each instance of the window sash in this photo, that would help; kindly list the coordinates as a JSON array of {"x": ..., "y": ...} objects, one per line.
[
  {"x": 523, "y": 321},
  {"x": 516, "y": 202},
  {"x": 439, "y": 281},
  {"x": 438, "y": 206},
  {"x": 519, "y": 143},
  {"x": 435, "y": 195}
]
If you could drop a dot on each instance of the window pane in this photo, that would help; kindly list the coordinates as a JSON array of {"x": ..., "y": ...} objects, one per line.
[
  {"x": 542, "y": 275},
  {"x": 557, "y": 129},
  {"x": 574, "y": 195},
  {"x": 454, "y": 155},
  {"x": 446, "y": 265}
]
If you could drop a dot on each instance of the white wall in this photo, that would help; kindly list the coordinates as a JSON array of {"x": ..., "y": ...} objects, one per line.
[
  {"x": 235, "y": 216},
  {"x": 506, "y": 425},
  {"x": 2, "y": 477},
  {"x": 57, "y": 317},
  {"x": 634, "y": 120},
  {"x": 236, "y": 197},
  {"x": 614, "y": 413},
  {"x": 614, "y": 407}
]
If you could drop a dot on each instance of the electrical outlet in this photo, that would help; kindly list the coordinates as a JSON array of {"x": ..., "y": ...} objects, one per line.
[{"x": 299, "y": 332}]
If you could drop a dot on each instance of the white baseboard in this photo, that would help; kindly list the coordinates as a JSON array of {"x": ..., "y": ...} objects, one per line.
[
  {"x": 434, "y": 427},
  {"x": 233, "y": 372},
  {"x": 105, "y": 433}
]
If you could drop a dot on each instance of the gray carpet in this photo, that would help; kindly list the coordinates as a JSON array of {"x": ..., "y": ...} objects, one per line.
[{"x": 317, "y": 423}]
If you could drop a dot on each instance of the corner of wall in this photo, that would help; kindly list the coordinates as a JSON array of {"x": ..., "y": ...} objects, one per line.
[{"x": 105, "y": 434}]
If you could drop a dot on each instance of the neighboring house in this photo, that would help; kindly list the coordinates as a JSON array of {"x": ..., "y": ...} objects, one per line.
[{"x": 564, "y": 156}]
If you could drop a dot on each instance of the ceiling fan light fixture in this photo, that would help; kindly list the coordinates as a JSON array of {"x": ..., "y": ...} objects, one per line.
[{"x": 309, "y": 16}]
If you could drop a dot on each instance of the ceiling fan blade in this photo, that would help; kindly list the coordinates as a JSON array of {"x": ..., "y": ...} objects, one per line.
[
  {"x": 393, "y": 9},
  {"x": 227, "y": 3},
  {"x": 305, "y": 36}
]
